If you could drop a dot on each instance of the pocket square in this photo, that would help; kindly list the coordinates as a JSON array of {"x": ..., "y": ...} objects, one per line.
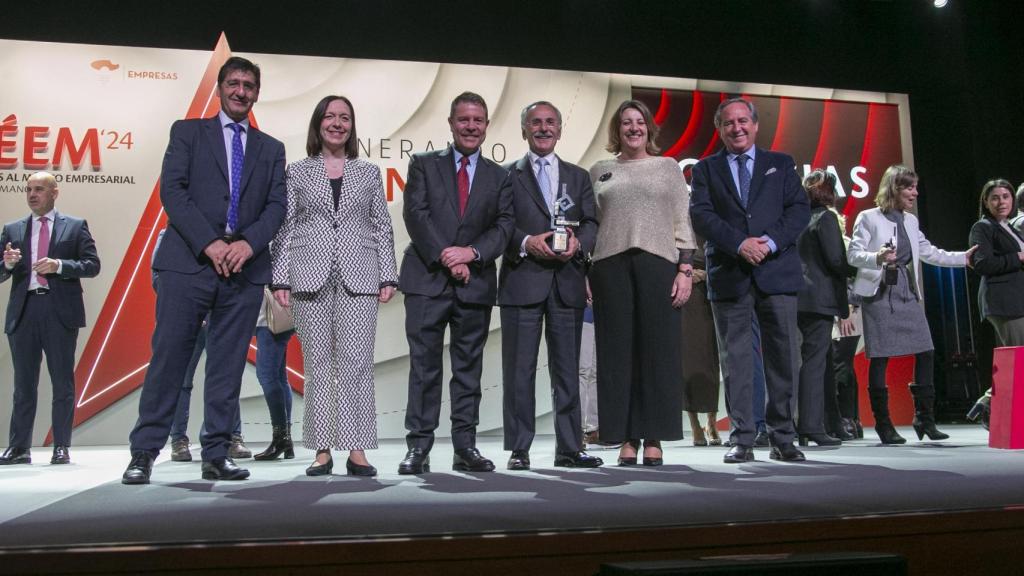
[{"x": 770, "y": 170}]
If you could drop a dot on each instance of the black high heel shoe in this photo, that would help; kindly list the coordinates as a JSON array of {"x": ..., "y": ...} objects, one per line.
[
  {"x": 321, "y": 469},
  {"x": 629, "y": 460},
  {"x": 280, "y": 444},
  {"x": 653, "y": 461},
  {"x": 980, "y": 410},
  {"x": 924, "y": 427},
  {"x": 353, "y": 469}
]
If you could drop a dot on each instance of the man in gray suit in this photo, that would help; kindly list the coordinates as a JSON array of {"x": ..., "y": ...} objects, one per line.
[
  {"x": 458, "y": 212},
  {"x": 222, "y": 185},
  {"x": 539, "y": 286}
]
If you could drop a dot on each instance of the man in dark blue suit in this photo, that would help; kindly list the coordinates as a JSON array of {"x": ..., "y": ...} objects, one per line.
[
  {"x": 223, "y": 189},
  {"x": 46, "y": 254},
  {"x": 750, "y": 206}
]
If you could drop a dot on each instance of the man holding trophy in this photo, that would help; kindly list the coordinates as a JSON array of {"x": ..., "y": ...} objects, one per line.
[{"x": 542, "y": 285}]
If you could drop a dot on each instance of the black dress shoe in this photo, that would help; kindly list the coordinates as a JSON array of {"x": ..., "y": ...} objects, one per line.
[
  {"x": 786, "y": 453},
  {"x": 417, "y": 461},
  {"x": 223, "y": 469},
  {"x": 820, "y": 439},
  {"x": 61, "y": 455},
  {"x": 470, "y": 460},
  {"x": 324, "y": 469},
  {"x": 739, "y": 454},
  {"x": 16, "y": 456},
  {"x": 577, "y": 460},
  {"x": 761, "y": 439},
  {"x": 353, "y": 469},
  {"x": 520, "y": 460},
  {"x": 139, "y": 469}
]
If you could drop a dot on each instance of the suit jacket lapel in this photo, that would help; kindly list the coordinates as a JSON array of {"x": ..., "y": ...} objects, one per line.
[
  {"x": 60, "y": 229},
  {"x": 322, "y": 182},
  {"x": 446, "y": 169},
  {"x": 760, "y": 167},
  {"x": 253, "y": 144},
  {"x": 215, "y": 133},
  {"x": 26, "y": 243},
  {"x": 524, "y": 172},
  {"x": 1010, "y": 236},
  {"x": 720, "y": 162},
  {"x": 481, "y": 181}
]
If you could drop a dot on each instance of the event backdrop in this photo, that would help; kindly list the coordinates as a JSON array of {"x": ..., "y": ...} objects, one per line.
[{"x": 100, "y": 121}]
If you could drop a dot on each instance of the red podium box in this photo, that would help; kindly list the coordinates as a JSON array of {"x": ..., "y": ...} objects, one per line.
[{"x": 1006, "y": 424}]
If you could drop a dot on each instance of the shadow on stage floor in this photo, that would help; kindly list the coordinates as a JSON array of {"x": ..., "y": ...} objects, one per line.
[{"x": 692, "y": 505}]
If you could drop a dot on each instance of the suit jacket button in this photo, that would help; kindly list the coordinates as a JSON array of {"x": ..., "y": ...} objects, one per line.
[
  {"x": 335, "y": 225},
  {"x": 749, "y": 216}
]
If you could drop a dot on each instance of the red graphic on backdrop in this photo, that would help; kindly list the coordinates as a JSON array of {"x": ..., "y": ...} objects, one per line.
[{"x": 115, "y": 359}]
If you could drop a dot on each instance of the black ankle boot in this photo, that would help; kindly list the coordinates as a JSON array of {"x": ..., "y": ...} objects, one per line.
[
  {"x": 883, "y": 425},
  {"x": 924, "y": 413},
  {"x": 281, "y": 443}
]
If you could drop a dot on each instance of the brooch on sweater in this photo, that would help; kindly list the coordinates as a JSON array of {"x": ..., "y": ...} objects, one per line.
[{"x": 605, "y": 177}]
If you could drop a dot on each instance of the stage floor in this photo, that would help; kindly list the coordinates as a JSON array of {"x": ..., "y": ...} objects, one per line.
[{"x": 85, "y": 504}]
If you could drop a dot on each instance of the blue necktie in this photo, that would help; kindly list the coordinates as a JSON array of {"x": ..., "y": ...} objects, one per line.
[
  {"x": 544, "y": 181},
  {"x": 237, "y": 160},
  {"x": 744, "y": 178}
]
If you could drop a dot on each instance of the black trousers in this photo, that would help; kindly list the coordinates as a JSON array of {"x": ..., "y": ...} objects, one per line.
[
  {"x": 426, "y": 320},
  {"x": 816, "y": 330},
  {"x": 40, "y": 332},
  {"x": 521, "y": 328},
  {"x": 639, "y": 381}
]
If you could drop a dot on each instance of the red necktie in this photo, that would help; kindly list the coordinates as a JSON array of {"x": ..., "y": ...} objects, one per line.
[
  {"x": 43, "y": 249},
  {"x": 463, "y": 181}
]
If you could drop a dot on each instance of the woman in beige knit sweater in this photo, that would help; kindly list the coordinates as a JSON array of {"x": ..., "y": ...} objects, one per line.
[{"x": 642, "y": 275}]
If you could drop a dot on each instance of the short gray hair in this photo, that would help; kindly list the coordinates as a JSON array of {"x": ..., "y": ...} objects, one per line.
[
  {"x": 522, "y": 117},
  {"x": 730, "y": 102}
]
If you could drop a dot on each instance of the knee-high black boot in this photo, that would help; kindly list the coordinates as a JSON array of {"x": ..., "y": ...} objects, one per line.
[
  {"x": 281, "y": 443},
  {"x": 883, "y": 424},
  {"x": 924, "y": 413}
]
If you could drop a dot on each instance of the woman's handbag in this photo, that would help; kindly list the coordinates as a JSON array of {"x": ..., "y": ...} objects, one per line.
[{"x": 279, "y": 319}]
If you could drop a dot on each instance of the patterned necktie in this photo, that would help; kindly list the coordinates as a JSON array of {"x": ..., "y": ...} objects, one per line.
[
  {"x": 463, "y": 181},
  {"x": 744, "y": 178},
  {"x": 544, "y": 180},
  {"x": 237, "y": 161},
  {"x": 43, "y": 249}
]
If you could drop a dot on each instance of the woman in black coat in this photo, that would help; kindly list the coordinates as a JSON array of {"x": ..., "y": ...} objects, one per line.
[
  {"x": 820, "y": 301},
  {"x": 999, "y": 260}
]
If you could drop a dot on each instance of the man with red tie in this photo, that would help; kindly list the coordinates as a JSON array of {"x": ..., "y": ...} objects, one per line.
[
  {"x": 458, "y": 212},
  {"x": 46, "y": 253}
]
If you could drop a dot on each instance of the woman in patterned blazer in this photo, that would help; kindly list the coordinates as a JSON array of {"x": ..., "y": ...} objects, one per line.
[{"x": 334, "y": 263}]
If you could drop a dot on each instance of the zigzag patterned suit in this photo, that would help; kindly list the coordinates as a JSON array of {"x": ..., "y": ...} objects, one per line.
[{"x": 335, "y": 262}]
